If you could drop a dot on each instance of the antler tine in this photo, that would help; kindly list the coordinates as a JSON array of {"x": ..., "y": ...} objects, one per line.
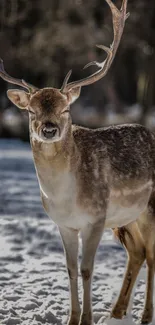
[
  {"x": 118, "y": 17},
  {"x": 20, "y": 82},
  {"x": 66, "y": 80}
]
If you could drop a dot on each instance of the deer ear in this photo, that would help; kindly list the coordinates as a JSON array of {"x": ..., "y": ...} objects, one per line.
[
  {"x": 73, "y": 94},
  {"x": 19, "y": 97}
]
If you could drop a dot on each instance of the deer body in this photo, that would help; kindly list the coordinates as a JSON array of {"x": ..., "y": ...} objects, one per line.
[
  {"x": 93, "y": 179},
  {"x": 86, "y": 186},
  {"x": 112, "y": 195}
]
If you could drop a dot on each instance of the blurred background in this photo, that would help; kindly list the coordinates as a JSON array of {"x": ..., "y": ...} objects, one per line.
[{"x": 41, "y": 40}]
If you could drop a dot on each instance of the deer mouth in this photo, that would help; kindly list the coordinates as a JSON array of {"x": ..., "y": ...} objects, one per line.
[{"x": 49, "y": 134}]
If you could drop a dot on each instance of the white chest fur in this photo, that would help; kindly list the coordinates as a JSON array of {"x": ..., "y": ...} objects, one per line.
[{"x": 59, "y": 198}]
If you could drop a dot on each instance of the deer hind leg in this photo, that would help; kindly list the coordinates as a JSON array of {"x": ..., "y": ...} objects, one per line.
[
  {"x": 148, "y": 307},
  {"x": 91, "y": 236},
  {"x": 70, "y": 242},
  {"x": 130, "y": 237},
  {"x": 146, "y": 225}
]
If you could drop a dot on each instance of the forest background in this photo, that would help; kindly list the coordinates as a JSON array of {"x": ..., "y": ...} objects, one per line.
[{"x": 41, "y": 40}]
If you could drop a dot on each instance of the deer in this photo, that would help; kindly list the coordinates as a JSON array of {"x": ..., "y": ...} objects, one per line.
[{"x": 93, "y": 179}]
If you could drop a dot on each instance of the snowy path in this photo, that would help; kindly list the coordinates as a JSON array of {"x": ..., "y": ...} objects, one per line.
[{"x": 33, "y": 278}]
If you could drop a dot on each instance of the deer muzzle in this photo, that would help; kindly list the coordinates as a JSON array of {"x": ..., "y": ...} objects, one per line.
[{"x": 50, "y": 130}]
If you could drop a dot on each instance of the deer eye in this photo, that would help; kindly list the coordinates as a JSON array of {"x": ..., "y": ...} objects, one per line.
[
  {"x": 31, "y": 112},
  {"x": 66, "y": 111}
]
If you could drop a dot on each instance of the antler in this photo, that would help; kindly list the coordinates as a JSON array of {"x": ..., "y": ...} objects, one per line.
[
  {"x": 118, "y": 17},
  {"x": 20, "y": 82}
]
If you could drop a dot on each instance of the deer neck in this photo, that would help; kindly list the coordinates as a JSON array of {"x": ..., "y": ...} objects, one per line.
[{"x": 54, "y": 162}]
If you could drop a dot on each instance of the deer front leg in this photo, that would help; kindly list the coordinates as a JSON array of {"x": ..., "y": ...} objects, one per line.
[
  {"x": 70, "y": 242},
  {"x": 91, "y": 236}
]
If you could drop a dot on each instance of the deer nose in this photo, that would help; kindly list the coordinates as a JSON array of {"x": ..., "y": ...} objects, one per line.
[
  {"x": 49, "y": 125},
  {"x": 49, "y": 130}
]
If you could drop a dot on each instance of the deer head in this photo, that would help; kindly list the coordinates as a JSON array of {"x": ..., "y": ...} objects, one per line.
[
  {"x": 49, "y": 108},
  {"x": 49, "y": 111}
]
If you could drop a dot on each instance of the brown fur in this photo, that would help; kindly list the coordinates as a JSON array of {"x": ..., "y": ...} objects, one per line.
[
  {"x": 122, "y": 233},
  {"x": 139, "y": 241},
  {"x": 48, "y": 100}
]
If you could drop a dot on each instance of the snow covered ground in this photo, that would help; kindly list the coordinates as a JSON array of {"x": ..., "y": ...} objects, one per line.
[{"x": 33, "y": 277}]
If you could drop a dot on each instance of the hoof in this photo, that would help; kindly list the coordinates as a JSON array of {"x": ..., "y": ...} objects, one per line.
[
  {"x": 74, "y": 319},
  {"x": 147, "y": 316},
  {"x": 86, "y": 322},
  {"x": 86, "y": 319},
  {"x": 118, "y": 313},
  {"x": 146, "y": 320}
]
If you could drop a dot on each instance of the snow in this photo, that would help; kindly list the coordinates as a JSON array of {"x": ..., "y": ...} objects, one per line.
[{"x": 33, "y": 277}]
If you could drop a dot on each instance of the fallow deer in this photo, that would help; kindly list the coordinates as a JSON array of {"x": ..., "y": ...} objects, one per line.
[{"x": 92, "y": 179}]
